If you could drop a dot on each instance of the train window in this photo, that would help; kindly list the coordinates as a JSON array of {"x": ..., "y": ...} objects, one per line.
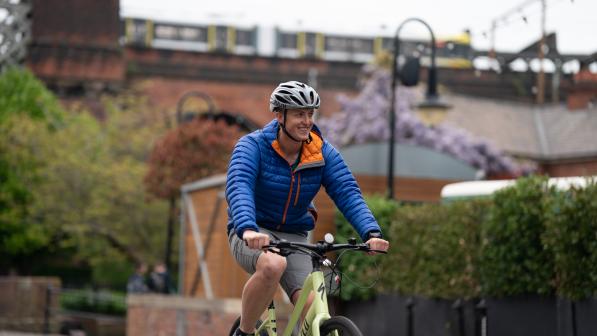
[
  {"x": 221, "y": 37},
  {"x": 361, "y": 45},
  {"x": 287, "y": 40},
  {"x": 193, "y": 34},
  {"x": 136, "y": 31},
  {"x": 180, "y": 33},
  {"x": 166, "y": 32},
  {"x": 336, "y": 43},
  {"x": 245, "y": 37},
  {"x": 310, "y": 44}
]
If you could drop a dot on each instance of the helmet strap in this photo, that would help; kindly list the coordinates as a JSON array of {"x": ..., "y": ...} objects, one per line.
[{"x": 283, "y": 125}]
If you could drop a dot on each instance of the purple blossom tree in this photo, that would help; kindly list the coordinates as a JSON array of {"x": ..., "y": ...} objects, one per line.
[{"x": 363, "y": 119}]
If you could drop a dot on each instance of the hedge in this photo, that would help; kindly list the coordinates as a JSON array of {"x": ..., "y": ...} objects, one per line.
[
  {"x": 526, "y": 239},
  {"x": 513, "y": 258},
  {"x": 571, "y": 235}
]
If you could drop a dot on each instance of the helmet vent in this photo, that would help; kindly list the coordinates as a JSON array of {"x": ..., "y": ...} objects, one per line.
[
  {"x": 303, "y": 95},
  {"x": 282, "y": 99}
]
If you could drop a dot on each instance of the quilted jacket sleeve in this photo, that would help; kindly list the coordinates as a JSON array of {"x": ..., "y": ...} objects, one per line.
[
  {"x": 240, "y": 184},
  {"x": 342, "y": 187}
]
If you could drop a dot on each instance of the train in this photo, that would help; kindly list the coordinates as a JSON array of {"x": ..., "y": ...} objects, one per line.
[{"x": 451, "y": 52}]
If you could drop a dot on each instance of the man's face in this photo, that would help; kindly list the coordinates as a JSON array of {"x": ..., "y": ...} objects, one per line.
[{"x": 298, "y": 122}]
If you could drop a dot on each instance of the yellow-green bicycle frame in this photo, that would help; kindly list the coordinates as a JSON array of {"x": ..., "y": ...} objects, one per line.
[{"x": 317, "y": 314}]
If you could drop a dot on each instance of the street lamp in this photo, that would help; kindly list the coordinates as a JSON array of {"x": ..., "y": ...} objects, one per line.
[{"x": 430, "y": 110}]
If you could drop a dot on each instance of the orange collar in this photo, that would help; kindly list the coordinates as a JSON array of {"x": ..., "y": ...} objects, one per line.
[{"x": 311, "y": 152}]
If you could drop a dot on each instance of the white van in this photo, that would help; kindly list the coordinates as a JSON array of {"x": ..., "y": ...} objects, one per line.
[{"x": 475, "y": 189}]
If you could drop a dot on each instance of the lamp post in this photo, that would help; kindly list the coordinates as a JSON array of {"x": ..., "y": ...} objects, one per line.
[{"x": 431, "y": 103}]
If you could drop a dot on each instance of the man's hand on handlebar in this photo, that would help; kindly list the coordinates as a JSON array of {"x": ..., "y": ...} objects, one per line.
[
  {"x": 255, "y": 240},
  {"x": 377, "y": 244}
]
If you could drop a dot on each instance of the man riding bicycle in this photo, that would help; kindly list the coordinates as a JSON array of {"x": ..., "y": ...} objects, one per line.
[{"x": 273, "y": 175}]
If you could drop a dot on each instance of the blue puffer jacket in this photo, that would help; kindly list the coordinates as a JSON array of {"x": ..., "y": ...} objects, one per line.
[{"x": 263, "y": 190}]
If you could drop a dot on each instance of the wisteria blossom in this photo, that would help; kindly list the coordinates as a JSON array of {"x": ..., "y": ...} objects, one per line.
[{"x": 364, "y": 119}]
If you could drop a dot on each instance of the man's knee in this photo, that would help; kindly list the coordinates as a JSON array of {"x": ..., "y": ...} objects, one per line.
[{"x": 271, "y": 266}]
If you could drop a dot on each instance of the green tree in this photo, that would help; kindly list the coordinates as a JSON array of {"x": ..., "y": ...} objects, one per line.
[
  {"x": 22, "y": 97},
  {"x": 92, "y": 184},
  {"x": 76, "y": 184}
]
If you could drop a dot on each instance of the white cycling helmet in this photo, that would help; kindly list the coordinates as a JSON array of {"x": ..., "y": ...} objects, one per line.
[{"x": 294, "y": 95}]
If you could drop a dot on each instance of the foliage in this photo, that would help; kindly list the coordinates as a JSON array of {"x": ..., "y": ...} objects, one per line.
[
  {"x": 22, "y": 97},
  {"x": 23, "y": 94},
  {"x": 527, "y": 239},
  {"x": 435, "y": 250},
  {"x": 86, "y": 300},
  {"x": 363, "y": 119},
  {"x": 571, "y": 234},
  {"x": 514, "y": 260},
  {"x": 81, "y": 187},
  {"x": 97, "y": 169},
  {"x": 360, "y": 269},
  {"x": 197, "y": 149}
]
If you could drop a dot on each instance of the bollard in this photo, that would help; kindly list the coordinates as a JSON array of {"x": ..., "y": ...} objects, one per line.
[
  {"x": 573, "y": 317},
  {"x": 409, "y": 316},
  {"x": 459, "y": 308},
  {"x": 481, "y": 318}
]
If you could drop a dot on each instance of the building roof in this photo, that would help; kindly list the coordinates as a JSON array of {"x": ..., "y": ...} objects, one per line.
[{"x": 543, "y": 133}]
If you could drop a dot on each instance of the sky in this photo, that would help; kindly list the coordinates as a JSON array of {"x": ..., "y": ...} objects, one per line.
[{"x": 574, "y": 21}]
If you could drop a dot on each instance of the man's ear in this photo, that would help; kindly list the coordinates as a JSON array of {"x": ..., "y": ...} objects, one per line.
[{"x": 279, "y": 117}]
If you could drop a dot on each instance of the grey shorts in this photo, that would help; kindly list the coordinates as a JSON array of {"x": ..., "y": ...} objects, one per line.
[{"x": 298, "y": 265}]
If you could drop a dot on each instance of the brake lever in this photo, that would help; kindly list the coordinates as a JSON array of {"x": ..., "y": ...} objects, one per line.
[
  {"x": 279, "y": 251},
  {"x": 378, "y": 251},
  {"x": 367, "y": 249}
]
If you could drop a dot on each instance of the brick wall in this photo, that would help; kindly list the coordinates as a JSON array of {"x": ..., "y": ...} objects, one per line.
[
  {"x": 157, "y": 315},
  {"x": 570, "y": 168},
  {"x": 150, "y": 315},
  {"x": 23, "y": 303},
  {"x": 250, "y": 100}
]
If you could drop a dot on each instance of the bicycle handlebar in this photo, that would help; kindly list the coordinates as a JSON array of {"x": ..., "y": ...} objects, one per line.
[{"x": 320, "y": 248}]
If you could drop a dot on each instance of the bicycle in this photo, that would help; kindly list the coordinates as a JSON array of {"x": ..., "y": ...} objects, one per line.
[{"x": 317, "y": 321}]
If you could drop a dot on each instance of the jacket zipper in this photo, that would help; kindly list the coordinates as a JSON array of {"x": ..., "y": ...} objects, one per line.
[
  {"x": 298, "y": 189},
  {"x": 287, "y": 200}
]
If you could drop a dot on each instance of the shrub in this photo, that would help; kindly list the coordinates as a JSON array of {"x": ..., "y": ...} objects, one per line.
[
  {"x": 571, "y": 236},
  {"x": 435, "y": 250},
  {"x": 86, "y": 300},
  {"x": 529, "y": 239},
  {"x": 513, "y": 258},
  {"x": 360, "y": 270}
]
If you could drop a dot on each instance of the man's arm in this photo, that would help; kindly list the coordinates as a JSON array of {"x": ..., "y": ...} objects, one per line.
[
  {"x": 342, "y": 187},
  {"x": 243, "y": 170}
]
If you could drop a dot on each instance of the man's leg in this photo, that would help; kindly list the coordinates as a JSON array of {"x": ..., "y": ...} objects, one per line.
[
  {"x": 260, "y": 289},
  {"x": 295, "y": 298}
]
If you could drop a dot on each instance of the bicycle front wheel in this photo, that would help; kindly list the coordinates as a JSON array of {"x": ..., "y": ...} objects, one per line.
[{"x": 341, "y": 324}]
